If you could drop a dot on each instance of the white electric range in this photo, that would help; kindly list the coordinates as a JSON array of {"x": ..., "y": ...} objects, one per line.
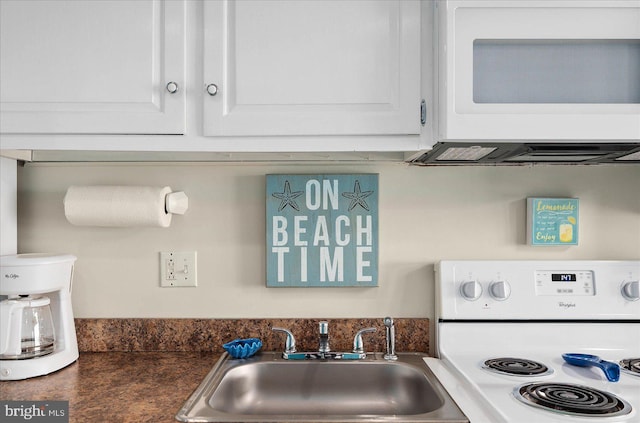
[{"x": 503, "y": 327}]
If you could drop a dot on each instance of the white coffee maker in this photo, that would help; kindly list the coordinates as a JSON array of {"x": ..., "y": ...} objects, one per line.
[{"x": 37, "y": 331}]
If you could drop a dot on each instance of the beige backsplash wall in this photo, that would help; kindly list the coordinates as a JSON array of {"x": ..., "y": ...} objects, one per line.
[{"x": 425, "y": 215}]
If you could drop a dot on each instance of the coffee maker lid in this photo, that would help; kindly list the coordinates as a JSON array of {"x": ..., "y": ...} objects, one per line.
[{"x": 35, "y": 259}]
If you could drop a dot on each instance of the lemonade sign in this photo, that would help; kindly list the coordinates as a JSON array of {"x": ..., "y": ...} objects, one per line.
[{"x": 552, "y": 221}]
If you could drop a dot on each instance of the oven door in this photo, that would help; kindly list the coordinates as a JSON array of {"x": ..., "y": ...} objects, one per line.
[{"x": 539, "y": 70}]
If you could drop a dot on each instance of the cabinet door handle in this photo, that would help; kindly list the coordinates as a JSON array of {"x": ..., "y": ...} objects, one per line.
[
  {"x": 172, "y": 87},
  {"x": 212, "y": 89}
]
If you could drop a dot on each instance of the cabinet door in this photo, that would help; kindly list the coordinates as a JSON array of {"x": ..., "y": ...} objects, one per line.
[
  {"x": 92, "y": 66},
  {"x": 311, "y": 67}
]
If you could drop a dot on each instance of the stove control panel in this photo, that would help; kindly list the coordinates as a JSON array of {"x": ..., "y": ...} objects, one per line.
[
  {"x": 565, "y": 283},
  {"x": 537, "y": 289}
]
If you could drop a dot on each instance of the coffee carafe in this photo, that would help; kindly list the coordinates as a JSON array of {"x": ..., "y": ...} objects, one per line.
[
  {"x": 29, "y": 328},
  {"x": 37, "y": 331}
]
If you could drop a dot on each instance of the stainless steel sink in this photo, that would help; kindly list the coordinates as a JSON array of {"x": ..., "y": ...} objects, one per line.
[{"x": 267, "y": 388}]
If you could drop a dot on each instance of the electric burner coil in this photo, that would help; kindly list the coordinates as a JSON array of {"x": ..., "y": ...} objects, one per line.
[
  {"x": 571, "y": 399},
  {"x": 516, "y": 366},
  {"x": 631, "y": 365}
]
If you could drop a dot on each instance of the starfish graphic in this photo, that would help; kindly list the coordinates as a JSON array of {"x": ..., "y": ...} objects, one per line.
[
  {"x": 288, "y": 197},
  {"x": 357, "y": 197}
]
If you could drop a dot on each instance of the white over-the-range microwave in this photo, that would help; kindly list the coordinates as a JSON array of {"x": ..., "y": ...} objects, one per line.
[{"x": 537, "y": 80}]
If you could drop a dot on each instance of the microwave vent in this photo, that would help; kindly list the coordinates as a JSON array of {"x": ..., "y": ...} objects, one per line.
[
  {"x": 513, "y": 153},
  {"x": 472, "y": 153}
]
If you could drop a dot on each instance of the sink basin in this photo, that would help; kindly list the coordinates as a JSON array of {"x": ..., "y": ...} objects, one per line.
[{"x": 267, "y": 388}]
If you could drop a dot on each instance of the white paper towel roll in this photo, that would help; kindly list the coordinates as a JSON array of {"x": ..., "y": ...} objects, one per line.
[{"x": 117, "y": 206}]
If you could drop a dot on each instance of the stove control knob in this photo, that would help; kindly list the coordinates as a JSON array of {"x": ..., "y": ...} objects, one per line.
[
  {"x": 471, "y": 290},
  {"x": 631, "y": 290},
  {"x": 500, "y": 290}
]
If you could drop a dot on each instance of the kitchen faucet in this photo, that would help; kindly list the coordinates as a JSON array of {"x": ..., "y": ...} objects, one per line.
[{"x": 324, "y": 351}]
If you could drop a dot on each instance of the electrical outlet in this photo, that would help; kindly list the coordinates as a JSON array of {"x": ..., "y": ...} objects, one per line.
[{"x": 178, "y": 269}]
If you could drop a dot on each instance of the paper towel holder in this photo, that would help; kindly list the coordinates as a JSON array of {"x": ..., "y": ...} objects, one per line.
[
  {"x": 176, "y": 202},
  {"x": 123, "y": 206}
]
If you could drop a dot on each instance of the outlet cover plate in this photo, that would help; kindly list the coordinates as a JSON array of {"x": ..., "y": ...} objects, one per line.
[{"x": 178, "y": 269}]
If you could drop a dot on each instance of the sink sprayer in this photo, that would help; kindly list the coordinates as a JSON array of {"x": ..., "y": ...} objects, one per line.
[{"x": 391, "y": 339}]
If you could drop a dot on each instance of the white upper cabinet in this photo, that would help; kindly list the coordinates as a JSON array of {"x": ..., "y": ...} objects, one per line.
[
  {"x": 539, "y": 70},
  {"x": 100, "y": 67},
  {"x": 311, "y": 67}
]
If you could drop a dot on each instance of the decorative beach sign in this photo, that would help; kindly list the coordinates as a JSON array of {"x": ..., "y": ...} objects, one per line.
[
  {"x": 552, "y": 221},
  {"x": 322, "y": 230}
]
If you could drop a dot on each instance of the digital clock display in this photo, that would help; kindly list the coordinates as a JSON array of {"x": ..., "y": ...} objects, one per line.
[
  {"x": 564, "y": 283},
  {"x": 563, "y": 277}
]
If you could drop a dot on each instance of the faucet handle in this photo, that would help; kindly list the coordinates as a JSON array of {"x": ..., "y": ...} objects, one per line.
[
  {"x": 358, "y": 346},
  {"x": 290, "y": 343}
]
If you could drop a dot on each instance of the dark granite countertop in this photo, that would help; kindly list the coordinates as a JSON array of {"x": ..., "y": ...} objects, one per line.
[{"x": 119, "y": 386}]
